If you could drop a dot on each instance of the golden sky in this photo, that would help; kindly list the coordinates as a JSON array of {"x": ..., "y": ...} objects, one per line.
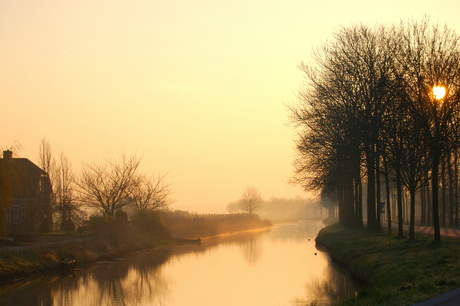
[{"x": 195, "y": 87}]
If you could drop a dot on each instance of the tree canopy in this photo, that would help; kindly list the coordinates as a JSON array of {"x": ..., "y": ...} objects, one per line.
[{"x": 367, "y": 105}]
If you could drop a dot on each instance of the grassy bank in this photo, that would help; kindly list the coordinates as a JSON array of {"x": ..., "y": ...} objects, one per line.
[
  {"x": 398, "y": 271},
  {"x": 109, "y": 242}
]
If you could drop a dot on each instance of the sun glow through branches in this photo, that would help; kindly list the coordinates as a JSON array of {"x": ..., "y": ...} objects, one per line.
[{"x": 439, "y": 92}]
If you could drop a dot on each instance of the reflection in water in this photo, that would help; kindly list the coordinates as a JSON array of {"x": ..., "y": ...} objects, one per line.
[
  {"x": 333, "y": 286},
  {"x": 252, "y": 250},
  {"x": 276, "y": 266},
  {"x": 123, "y": 282}
]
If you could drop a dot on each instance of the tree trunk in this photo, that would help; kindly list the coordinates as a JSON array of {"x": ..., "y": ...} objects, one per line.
[
  {"x": 341, "y": 199},
  {"x": 429, "y": 199},
  {"x": 387, "y": 187},
  {"x": 435, "y": 200},
  {"x": 451, "y": 190},
  {"x": 412, "y": 214},
  {"x": 378, "y": 197},
  {"x": 358, "y": 200},
  {"x": 423, "y": 206},
  {"x": 456, "y": 186},
  {"x": 399, "y": 201},
  {"x": 443, "y": 193},
  {"x": 371, "y": 214}
]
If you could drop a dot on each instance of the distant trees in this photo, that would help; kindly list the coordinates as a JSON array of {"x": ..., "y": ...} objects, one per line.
[
  {"x": 368, "y": 109},
  {"x": 284, "y": 209},
  {"x": 251, "y": 200}
]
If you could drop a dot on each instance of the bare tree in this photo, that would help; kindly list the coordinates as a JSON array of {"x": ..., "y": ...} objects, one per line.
[
  {"x": 150, "y": 193},
  {"x": 251, "y": 200},
  {"x": 66, "y": 205},
  {"x": 104, "y": 187},
  {"x": 429, "y": 58},
  {"x": 46, "y": 160}
]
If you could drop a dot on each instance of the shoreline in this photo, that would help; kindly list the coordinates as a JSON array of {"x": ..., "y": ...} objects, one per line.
[
  {"x": 32, "y": 259},
  {"x": 397, "y": 271}
]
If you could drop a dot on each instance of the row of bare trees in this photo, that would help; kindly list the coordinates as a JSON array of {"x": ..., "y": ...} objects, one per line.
[
  {"x": 106, "y": 188},
  {"x": 368, "y": 115}
]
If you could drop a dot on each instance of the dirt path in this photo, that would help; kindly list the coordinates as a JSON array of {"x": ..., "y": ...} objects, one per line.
[{"x": 445, "y": 232}]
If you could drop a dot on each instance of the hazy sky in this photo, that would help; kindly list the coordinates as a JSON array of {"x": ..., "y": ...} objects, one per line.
[{"x": 195, "y": 87}]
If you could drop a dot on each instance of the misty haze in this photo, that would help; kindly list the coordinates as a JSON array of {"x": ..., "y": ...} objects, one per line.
[{"x": 229, "y": 153}]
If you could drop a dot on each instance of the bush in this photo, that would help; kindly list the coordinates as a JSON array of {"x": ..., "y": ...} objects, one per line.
[
  {"x": 67, "y": 225},
  {"x": 152, "y": 224},
  {"x": 121, "y": 216},
  {"x": 95, "y": 222}
]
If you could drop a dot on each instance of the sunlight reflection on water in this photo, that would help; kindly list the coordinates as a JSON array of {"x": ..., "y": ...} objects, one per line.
[{"x": 278, "y": 266}]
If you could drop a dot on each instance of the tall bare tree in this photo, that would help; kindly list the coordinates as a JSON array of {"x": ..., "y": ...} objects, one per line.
[
  {"x": 429, "y": 57},
  {"x": 67, "y": 206},
  {"x": 46, "y": 160},
  {"x": 251, "y": 200},
  {"x": 105, "y": 186},
  {"x": 341, "y": 111}
]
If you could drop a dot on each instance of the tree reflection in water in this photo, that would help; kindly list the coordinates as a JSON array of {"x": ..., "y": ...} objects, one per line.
[
  {"x": 252, "y": 250},
  {"x": 120, "y": 282},
  {"x": 267, "y": 267},
  {"x": 331, "y": 288}
]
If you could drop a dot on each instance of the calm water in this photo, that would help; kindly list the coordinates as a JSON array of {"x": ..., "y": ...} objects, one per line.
[{"x": 266, "y": 267}]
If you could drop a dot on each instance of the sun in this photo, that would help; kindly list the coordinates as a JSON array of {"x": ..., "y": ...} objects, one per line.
[{"x": 439, "y": 92}]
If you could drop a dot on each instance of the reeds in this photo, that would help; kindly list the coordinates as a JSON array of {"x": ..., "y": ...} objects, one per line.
[{"x": 186, "y": 225}]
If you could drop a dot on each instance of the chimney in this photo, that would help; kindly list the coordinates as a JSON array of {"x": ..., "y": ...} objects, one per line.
[{"x": 7, "y": 154}]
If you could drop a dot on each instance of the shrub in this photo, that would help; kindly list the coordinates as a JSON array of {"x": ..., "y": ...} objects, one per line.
[
  {"x": 152, "y": 224},
  {"x": 67, "y": 225}
]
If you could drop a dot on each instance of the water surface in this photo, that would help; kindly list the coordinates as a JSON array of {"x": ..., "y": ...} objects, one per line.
[{"x": 276, "y": 266}]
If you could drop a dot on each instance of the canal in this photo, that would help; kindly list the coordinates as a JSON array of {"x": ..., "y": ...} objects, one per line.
[{"x": 276, "y": 266}]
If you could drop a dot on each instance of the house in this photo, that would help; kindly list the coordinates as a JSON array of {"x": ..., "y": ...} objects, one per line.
[{"x": 26, "y": 196}]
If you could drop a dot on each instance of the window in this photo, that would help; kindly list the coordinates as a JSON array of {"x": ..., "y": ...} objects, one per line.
[
  {"x": 23, "y": 214},
  {"x": 15, "y": 214}
]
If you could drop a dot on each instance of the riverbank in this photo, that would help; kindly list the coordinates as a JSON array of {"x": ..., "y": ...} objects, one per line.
[
  {"x": 397, "y": 271},
  {"x": 110, "y": 241}
]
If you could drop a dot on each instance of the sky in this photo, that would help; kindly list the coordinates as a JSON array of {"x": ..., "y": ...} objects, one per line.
[{"x": 197, "y": 89}]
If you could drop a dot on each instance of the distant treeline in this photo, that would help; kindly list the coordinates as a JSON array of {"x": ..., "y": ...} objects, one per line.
[{"x": 282, "y": 209}]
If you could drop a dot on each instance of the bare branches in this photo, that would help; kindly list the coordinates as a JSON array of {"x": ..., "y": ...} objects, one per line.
[
  {"x": 150, "y": 193},
  {"x": 67, "y": 206},
  {"x": 251, "y": 200},
  {"x": 105, "y": 187},
  {"x": 369, "y": 93}
]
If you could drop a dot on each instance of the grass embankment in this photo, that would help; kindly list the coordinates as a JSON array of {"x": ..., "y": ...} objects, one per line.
[
  {"x": 186, "y": 225},
  {"x": 398, "y": 271}
]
